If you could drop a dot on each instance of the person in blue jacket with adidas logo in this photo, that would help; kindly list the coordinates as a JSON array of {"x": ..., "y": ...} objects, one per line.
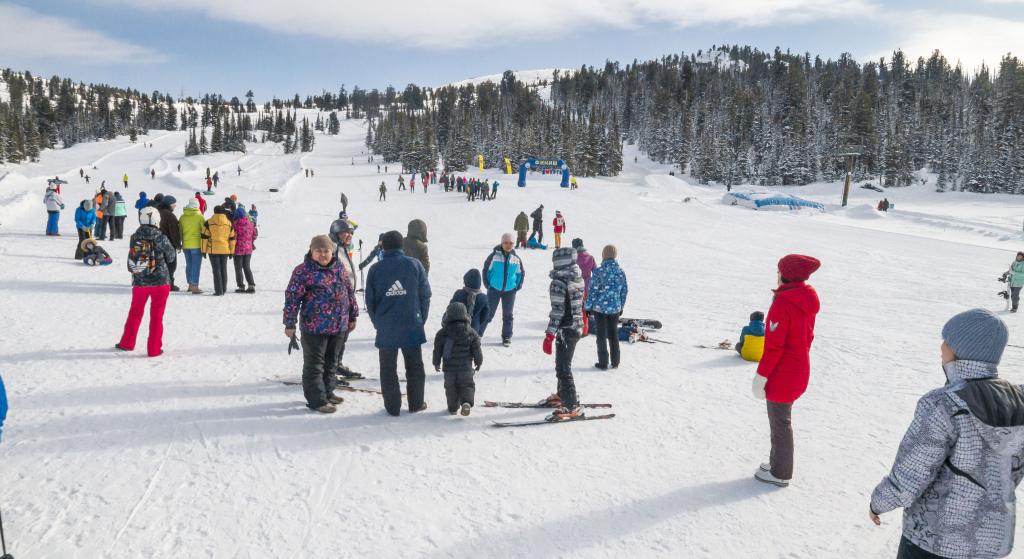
[
  {"x": 504, "y": 275},
  {"x": 397, "y": 300}
]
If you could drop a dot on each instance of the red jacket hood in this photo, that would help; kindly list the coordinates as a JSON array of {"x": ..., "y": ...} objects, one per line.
[{"x": 800, "y": 295}]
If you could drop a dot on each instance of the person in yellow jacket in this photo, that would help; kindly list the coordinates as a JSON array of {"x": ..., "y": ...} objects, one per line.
[
  {"x": 191, "y": 227},
  {"x": 751, "y": 344},
  {"x": 218, "y": 242}
]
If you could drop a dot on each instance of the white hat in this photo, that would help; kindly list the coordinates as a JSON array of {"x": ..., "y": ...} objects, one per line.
[{"x": 149, "y": 216}]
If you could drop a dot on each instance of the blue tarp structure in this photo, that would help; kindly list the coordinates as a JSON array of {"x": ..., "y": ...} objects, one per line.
[{"x": 769, "y": 201}]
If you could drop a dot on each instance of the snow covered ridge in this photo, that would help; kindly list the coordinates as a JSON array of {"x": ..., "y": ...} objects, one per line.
[{"x": 528, "y": 77}]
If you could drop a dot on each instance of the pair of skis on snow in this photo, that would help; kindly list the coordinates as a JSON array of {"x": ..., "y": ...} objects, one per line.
[{"x": 520, "y": 405}]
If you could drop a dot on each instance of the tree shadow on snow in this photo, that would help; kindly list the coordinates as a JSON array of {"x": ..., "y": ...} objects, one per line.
[{"x": 552, "y": 538}]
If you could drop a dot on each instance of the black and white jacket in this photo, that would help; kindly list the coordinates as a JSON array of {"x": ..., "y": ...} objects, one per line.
[{"x": 959, "y": 464}]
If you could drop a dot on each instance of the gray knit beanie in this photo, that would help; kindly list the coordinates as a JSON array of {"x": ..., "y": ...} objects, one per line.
[
  {"x": 976, "y": 335},
  {"x": 563, "y": 257}
]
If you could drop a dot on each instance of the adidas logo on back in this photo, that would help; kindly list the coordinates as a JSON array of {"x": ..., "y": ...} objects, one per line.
[{"x": 395, "y": 290}]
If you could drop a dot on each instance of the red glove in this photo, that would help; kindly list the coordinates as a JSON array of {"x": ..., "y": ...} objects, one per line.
[{"x": 548, "y": 341}]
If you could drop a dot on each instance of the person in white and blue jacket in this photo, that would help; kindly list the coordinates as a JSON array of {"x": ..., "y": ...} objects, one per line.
[
  {"x": 605, "y": 301},
  {"x": 504, "y": 274},
  {"x": 963, "y": 456}
]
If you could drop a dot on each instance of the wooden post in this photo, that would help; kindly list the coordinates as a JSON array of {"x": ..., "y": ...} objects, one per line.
[{"x": 849, "y": 178}]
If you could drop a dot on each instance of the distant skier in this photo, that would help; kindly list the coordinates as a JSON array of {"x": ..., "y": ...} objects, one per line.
[
  {"x": 152, "y": 174},
  {"x": 239, "y": 170},
  {"x": 494, "y": 190},
  {"x": 538, "y": 223},
  {"x": 344, "y": 202},
  {"x": 565, "y": 324},
  {"x": 1016, "y": 280},
  {"x": 216, "y": 179},
  {"x": 785, "y": 368},
  {"x": 521, "y": 226},
  {"x": 383, "y": 192},
  {"x": 202, "y": 203},
  {"x": 457, "y": 350},
  {"x": 559, "y": 226},
  {"x": 125, "y": 180},
  {"x": 209, "y": 185}
]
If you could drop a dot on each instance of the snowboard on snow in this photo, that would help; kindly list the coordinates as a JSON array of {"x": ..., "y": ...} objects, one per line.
[
  {"x": 648, "y": 323},
  {"x": 546, "y": 422}
]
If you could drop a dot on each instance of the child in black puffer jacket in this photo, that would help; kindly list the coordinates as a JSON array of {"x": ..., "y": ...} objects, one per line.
[{"x": 458, "y": 347}]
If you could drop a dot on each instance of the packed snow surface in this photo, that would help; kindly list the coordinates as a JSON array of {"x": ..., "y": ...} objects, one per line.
[{"x": 197, "y": 454}]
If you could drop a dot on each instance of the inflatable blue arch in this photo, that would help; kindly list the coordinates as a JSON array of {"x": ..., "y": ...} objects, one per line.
[{"x": 544, "y": 165}]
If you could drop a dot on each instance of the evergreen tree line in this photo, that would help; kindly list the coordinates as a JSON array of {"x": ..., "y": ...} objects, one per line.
[
  {"x": 739, "y": 115},
  {"x": 38, "y": 114},
  {"x": 498, "y": 121}
]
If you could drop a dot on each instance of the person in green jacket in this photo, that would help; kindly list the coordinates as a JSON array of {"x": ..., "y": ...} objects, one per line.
[
  {"x": 521, "y": 226},
  {"x": 120, "y": 213},
  {"x": 191, "y": 225},
  {"x": 1016, "y": 280}
]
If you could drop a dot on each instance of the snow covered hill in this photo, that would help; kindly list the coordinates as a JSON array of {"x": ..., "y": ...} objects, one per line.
[{"x": 197, "y": 453}]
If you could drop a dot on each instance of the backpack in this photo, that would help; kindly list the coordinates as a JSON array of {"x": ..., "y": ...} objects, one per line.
[{"x": 142, "y": 256}]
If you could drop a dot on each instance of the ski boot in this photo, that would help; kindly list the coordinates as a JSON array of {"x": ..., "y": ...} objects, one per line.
[
  {"x": 506, "y": 342},
  {"x": 564, "y": 413},
  {"x": 343, "y": 372},
  {"x": 552, "y": 401},
  {"x": 465, "y": 408}
]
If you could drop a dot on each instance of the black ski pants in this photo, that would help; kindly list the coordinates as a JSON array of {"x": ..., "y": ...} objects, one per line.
[
  {"x": 83, "y": 234},
  {"x": 508, "y": 303},
  {"x": 414, "y": 378},
  {"x": 1014, "y": 297},
  {"x": 607, "y": 338},
  {"x": 219, "y": 267},
  {"x": 780, "y": 420},
  {"x": 908, "y": 550},
  {"x": 565, "y": 346},
  {"x": 459, "y": 388},
  {"x": 243, "y": 273},
  {"x": 318, "y": 354},
  {"x": 171, "y": 267},
  {"x": 340, "y": 351}
]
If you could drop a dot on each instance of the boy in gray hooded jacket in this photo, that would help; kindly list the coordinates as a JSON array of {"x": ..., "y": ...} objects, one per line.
[{"x": 963, "y": 456}]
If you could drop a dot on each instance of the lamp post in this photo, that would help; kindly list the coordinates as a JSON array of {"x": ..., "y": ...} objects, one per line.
[{"x": 850, "y": 152}]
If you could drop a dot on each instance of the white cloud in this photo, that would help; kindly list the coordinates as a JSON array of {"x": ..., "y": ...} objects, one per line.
[
  {"x": 454, "y": 24},
  {"x": 967, "y": 38},
  {"x": 27, "y": 36}
]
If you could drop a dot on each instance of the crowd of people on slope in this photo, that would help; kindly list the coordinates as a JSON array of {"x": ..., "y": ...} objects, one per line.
[{"x": 320, "y": 304}]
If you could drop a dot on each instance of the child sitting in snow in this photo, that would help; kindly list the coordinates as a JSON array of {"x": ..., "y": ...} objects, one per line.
[
  {"x": 457, "y": 346},
  {"x": 751, "y": 344},
  {"x": 94, "y": 254}
]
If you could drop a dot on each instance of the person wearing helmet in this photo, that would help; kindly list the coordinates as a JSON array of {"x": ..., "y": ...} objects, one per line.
[{"x": 148, "y": 255}]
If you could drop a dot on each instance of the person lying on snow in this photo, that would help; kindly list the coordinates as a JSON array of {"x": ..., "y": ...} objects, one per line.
[{"x": 93, "y": 253}]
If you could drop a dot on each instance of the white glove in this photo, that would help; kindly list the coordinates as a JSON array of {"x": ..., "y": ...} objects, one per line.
[{"x": 757, "y": 386}]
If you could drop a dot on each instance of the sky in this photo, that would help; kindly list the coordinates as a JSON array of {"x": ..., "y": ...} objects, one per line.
[{"x": 280, "y": 48}]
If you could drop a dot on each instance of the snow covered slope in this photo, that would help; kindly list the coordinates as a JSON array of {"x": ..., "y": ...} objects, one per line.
[{"x": 196, "y": 453}]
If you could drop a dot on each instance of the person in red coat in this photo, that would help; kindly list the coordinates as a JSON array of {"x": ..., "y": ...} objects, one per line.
[
  {"x": 559, "y": 225},
  {"x": 785, "y": 368},
  {"x": 202, "y": 203}
]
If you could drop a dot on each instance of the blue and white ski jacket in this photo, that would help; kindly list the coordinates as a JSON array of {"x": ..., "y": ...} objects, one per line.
[{"x": 608, "y": 289}]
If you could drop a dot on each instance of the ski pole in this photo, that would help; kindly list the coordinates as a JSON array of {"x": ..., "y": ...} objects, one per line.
[{"x": 3, "y": 542}]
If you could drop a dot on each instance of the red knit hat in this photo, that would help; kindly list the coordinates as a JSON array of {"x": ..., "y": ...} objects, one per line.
[{"x": 797, "y": 267}]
